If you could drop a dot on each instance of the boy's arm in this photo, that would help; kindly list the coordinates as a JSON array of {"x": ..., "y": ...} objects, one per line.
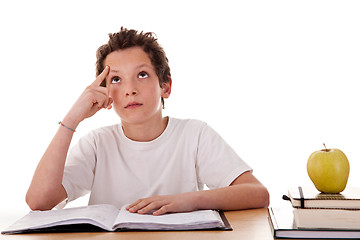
[
  {"x": 46, "y": 189},
  {"x": 243, "y": 193}
]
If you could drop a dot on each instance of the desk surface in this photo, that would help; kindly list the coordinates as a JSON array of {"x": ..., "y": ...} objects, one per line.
[{"x": 247, "y": 224}]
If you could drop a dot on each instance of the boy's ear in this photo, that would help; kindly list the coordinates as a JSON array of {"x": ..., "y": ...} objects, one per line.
[{"x": 166, "y": 88}]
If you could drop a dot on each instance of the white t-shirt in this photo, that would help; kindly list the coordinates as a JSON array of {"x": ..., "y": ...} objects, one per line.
[{"x": 117, "y": 170}]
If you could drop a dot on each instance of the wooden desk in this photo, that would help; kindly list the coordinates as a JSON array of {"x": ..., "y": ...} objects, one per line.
[{"x": 247, "y": 224}]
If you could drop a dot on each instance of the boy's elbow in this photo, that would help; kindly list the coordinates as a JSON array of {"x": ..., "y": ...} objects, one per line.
[
  {"x": 45, "y": 199},
  {"x": 264, "y": 197},
  {"x": 37, "y": 202},
  {"x": 33, "y": 203}
]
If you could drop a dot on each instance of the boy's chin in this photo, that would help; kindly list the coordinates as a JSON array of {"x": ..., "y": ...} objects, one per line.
[{"x": 133, "y": 119}]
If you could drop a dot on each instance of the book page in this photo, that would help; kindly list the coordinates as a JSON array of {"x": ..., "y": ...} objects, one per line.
[
  {"x": 99, "y": 215},
  {"x": 178, "y": 221}
]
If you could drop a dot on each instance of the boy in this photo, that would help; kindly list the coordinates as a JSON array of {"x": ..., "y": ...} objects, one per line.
[{"x": 150, "y": 162}]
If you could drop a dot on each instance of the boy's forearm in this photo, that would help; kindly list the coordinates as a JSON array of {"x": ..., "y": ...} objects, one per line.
[
  {"x": 46, "y": 189},
  {"x": 234, "y": 197}
]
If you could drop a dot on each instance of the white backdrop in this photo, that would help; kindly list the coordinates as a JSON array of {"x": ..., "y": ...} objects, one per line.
[{"x": 276, "y": 79}]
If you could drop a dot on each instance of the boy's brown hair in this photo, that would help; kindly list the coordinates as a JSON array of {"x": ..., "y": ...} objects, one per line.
[{"x": 131, "y": 38}]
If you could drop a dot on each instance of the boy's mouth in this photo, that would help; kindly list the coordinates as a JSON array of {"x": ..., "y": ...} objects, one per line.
[{"x": 133, "y": 105}]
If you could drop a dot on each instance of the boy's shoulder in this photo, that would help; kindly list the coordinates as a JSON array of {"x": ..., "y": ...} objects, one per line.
[
  {"x": 190, "y": 127},
  {"x": 104, "y": 131},
  {"x": 188, "y": 123},
  {"x": 110, "y": 128}
]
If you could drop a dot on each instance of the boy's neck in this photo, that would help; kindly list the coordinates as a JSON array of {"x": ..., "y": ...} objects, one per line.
[{"x": 146, "y": 131}]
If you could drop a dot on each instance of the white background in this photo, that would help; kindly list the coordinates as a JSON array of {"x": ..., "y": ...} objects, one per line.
[{"x": 276, "y": 79}]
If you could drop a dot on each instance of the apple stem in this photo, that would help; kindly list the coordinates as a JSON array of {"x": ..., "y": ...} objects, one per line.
[{"x": 326, "y": 150}]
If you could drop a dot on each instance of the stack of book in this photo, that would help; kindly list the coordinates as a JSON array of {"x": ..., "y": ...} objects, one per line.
[{"x": 318, "y": 215}]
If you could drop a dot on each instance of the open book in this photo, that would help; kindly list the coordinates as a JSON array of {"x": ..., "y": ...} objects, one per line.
[{"x": 105, "y": 217}]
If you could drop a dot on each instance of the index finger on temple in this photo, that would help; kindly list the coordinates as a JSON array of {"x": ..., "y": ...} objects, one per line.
[{"x": 101, "y": 78}]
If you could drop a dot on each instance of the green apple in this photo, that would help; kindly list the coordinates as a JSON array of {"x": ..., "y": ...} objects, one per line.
[{"x": 329, "y": 170}]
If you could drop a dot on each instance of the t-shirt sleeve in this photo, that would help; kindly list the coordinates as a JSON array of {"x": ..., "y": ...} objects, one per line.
[
  {"x": 218, "y": 165},
  {"x": 79, "y": 168}
]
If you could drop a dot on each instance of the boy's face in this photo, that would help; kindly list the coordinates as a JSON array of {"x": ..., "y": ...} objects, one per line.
[{"x": 134, "y": 85}]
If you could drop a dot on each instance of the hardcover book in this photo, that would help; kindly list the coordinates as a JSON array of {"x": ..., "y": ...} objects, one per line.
[
  {"x": 282, "y": 224},
  {"x": 308, "y": 197},
  {"x": 327, "y": 218}
]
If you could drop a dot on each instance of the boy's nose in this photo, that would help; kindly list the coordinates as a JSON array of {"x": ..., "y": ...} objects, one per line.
[
  {"x": 130, "y": 88},
  {"x": 133, "y": 93}
]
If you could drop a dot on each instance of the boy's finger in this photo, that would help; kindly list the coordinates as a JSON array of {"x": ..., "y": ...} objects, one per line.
[
  {"x": 108, "y": 81},
  {"x": 133, "y": 204},
  {"x": 161, "y": 211},
  {"x": 102, "y": 76}
]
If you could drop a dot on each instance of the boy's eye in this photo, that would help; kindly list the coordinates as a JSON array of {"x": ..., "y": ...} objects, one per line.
[
  {"x": 115, "y": 80},
  {"x": 143, "y": 75}
]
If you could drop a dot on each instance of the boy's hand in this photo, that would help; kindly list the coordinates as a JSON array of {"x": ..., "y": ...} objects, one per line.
[
  {"x": 94, "y": 98},
  {"x": 157, "y": 205}
]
